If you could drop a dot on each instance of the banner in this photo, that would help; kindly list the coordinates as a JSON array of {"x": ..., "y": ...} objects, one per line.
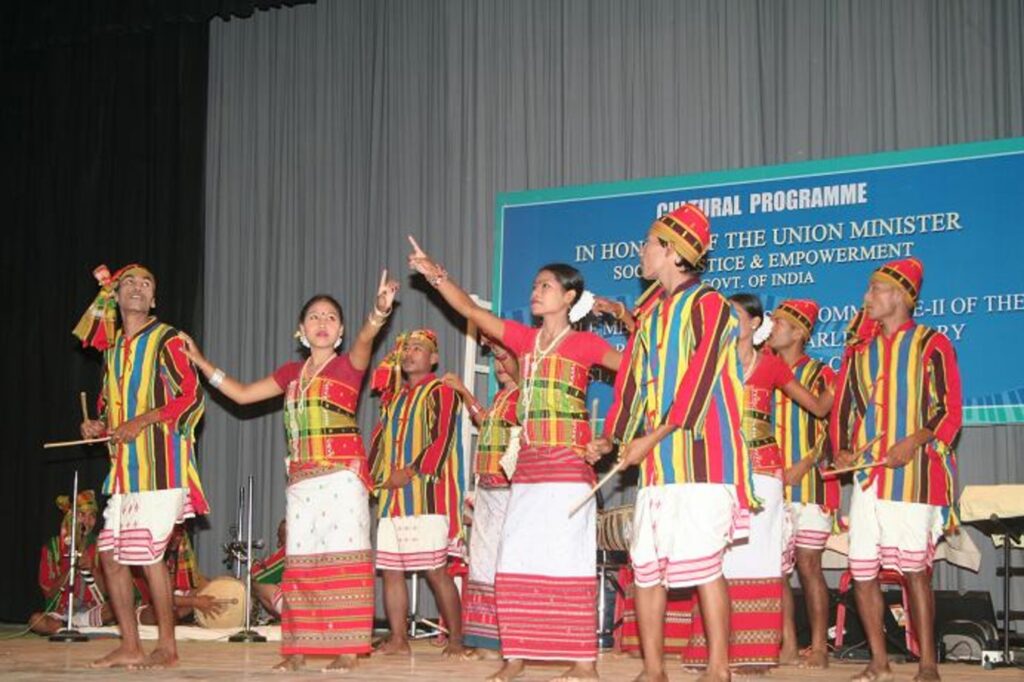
[{"x": 812, "y": 230}]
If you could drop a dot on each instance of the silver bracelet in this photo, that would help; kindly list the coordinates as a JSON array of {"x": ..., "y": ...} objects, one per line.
[{"x": 217, "y": 378}]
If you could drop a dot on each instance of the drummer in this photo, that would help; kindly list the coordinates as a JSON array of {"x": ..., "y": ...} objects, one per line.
[
  {"x": 186, "y": 581},
  {"x": 267, "y": 574}
]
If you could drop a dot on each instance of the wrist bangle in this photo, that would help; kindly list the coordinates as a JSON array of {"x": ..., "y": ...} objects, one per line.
[
  {"x": 378, "y": 318},
  {"x": 217, "y": 378},
  {"x": 439, "y": 278}
]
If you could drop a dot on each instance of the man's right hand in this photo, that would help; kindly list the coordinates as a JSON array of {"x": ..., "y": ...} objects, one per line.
[
  {"x": 93, "y": 428},
  {"x": 843, "y": 459},
  {"x": 596, "y": 449}
]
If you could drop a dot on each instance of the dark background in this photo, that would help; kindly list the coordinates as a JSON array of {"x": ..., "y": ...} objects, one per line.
[{"x": 103, "y": 125}]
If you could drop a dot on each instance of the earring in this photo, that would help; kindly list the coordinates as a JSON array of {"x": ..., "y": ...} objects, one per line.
[
  {"x": 337, "y": 344},
  {"x": 303, "y": 340}
]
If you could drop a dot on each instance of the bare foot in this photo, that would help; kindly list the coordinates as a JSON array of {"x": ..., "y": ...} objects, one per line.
[
  {"x": 927, "y": 674},
  {"x": 454, "y": 649},
  {"x": 645, "y": 677},
  {"x": 788, "y": 654},
  {"x": 481, "y": 654},
  {"x": 120, "y": 657},
  {"x": 290, "y": 663},
  {"x": 873, "y": 674},
  {"x": 579, "y": 671},
  {"x": 342, "y": 664},
  {"x": 157, "y": 660},
  {"x": 394, "y": 646},
  {"x": 512, "y": 669},
  {"x": 754, "y": 670},
  {"x": 815, "y": 658}
]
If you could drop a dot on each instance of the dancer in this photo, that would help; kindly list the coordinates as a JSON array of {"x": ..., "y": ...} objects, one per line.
[
  {"x": 494, "y": 424},
  {"x": 545, "y": 583},
  {"x": 328, "y": 555},
  {"x": 899, "y": 382},
  {"x": 811, "y": 499},
  {"x": 150, "y": 406},
  {"x": 417, "y": 469},
  {"x": 681, "y": 387}
]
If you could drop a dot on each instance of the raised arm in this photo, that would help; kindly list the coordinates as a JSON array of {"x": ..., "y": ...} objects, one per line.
[
  {"x": 819, "y": 405},
  {"x": 241, "y": 393},
  {"x": 438, "y": 277},
  {"x": 361, "y": 351}
]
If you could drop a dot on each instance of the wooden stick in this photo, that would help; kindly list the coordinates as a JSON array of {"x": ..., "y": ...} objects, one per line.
[
  {"x": 593, "y": 491},
  {"x": 436, "y": 626},
  {"x": 70, "y": 443},
  {"x": 859, "y": 467},
  {"x": 857, "y": 455},
  {"x": 85, "y": 408}
]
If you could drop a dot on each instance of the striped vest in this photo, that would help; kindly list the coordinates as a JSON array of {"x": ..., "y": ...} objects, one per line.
[
  {"x": 320, "y": 424},
  {"x": 146, "y": 372},
  {"x": 800, "y": 434}
]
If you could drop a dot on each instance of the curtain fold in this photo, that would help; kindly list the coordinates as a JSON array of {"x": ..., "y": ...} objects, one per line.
[{"x": 336, "y": 130}]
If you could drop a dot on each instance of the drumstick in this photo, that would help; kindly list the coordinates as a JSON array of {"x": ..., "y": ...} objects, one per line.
[
  {"x": 857, "y": 455},
  {"x": 225, "y": 602},
  {"x": 69, "y": 443},
  {"x": 859, "y": 467},
  {"x": 436, "y": 626},
  {"x": 85, "y": 408},
  {"x": 593, "y": 491}
]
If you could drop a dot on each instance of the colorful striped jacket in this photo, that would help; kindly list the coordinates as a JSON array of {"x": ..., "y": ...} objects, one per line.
[
  {"x": 894, "y": 386},
  {"x": 683, "y": 370},
  {"x": 150, "y": 371},
  {"x": 800, "y": 434},
  {"x": 419, "y": 428}
]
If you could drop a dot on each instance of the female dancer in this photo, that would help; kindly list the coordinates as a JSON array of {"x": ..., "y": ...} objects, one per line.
[
  {"x": 545, "y": 584},
  {"x": 328, "y": 576},
  {"x": 490, "y": 500}
]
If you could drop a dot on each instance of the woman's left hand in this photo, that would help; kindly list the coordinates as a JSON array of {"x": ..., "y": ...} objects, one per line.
[{"x": 386, "y": 292}]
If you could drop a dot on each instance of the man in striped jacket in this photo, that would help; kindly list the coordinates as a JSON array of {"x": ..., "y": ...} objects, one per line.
[
  {"x": 149, "y": 406},
  {"x": 811, "y": 500},
  {"x": 899, "y": 401},
  {"x": 416, "y": 460}
]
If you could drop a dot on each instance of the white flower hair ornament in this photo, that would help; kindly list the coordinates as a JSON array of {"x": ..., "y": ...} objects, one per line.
[
  {"x": 762, "y": 333},
  {"x": 582, "y": 307}
]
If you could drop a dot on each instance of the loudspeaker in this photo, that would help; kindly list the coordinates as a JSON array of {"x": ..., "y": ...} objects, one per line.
[
  {"x": 964, "y": 624},
  {"x": 854, "y": 639},
  {"x": 803, "y": 623}
]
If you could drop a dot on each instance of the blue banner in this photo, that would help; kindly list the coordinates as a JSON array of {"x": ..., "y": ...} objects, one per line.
[{"x": 812, "y": 230}]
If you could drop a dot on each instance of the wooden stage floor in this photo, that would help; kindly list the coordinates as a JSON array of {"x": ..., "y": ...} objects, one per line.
[{"x": 35, "y": 658}]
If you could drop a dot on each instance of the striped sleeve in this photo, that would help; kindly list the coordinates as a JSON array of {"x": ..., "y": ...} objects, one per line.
[
  {"x": 710, "y": 319},
  {"x": 628, "y": 389},
  {"x": 185, "y": 407},
  {"x": 844, "y": 407},
  {"x": 624, "y": 395},
  {"x": 946, "y": 415},
  {"x": 445, "y": 403},
  {"x": 825, "y": 381}
]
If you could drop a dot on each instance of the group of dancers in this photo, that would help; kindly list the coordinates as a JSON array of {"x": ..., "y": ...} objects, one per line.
[{"x": 731, "y": 438}]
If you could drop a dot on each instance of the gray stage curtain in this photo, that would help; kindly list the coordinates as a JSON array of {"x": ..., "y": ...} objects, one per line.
[{"x": 337, "y": 129}]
